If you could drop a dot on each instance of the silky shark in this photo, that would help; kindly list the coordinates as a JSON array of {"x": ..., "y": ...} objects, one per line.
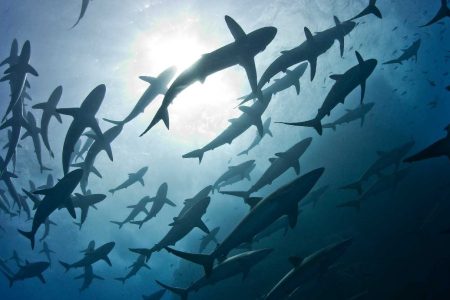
[
  {"x": 292, "y": 78},
  {"x": 241, "y": 52},
  {"x": 88, "y": 276},
  {"x": 132, "y": 179},
  {"x": 181, "y": 226},
  {"x": 136, "y": 209},
  {"x": 83, "y": 117},
  {"x": 437, "y": 149},
  {"x": 49, "y": 111},
  {"x": 258, "y": 138},
  {"x": 135, "y": 267},
  {"x": 84, "y": 202},
  {"x": 158, "y": 86},
  {"x": 84, "y": 6},
  {"x": 34, "y": 132},
  {"x": 308, "y": 268},
  {"x": 410, "y": 52},
  {"x": 235, "y": 265},
  {"x": 240, "y": 171},
  {"x": 29, "y": 270},
  {"x": 158, "y": 203},
  {"x": 91, "y": 257},
  {"x": 99, "y": 144},
  {"x": 370, "y": 9},
  {"x": 344, "y": 85},
  {"x": 278, "y": 165},
  {"x": 17, "y": 76},
  {"x": 384, "y": 183},
  {"x": 309, "y": 50},
  {"x": 208, "y": 238},
  {"x": 443, "y": 12},
  {"x": 385, "y": 160},
  {"x": 351, "y": 115},
  {"x": 251, "y": 116},
  {"x": 57, "y": 196},
  {"x": 283, "y": 201}
]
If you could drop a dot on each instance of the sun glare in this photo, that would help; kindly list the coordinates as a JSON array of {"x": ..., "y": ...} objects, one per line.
[{"x": 201, "y": 110}]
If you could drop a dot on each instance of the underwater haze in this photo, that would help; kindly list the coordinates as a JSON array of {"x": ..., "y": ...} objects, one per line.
[{"x": 385, "y": 182}]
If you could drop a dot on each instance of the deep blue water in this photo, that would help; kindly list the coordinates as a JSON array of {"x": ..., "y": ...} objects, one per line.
[{"x": 398, "y": 244}]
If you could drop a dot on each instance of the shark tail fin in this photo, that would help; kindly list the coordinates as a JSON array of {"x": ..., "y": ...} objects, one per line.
[
  {"x": 29, "y": 235},
  {"x": 161, "y": 114},
  {"x": 121, "y": 279},
  {"x": 314, "y": 123},
  {"x": 394, "y": 61},
  {"x": 79, "y": 224},
  {"x": 196, "y": 153},
  {"x": 183, "y": 293},
  {"x": 65, "y": 265},
  {"x": 142, "y": 251},
  {"x": 206, "y": 261},
  {"x": 112, "y": 191},
  {"x": 356, "y": 186},
  {"x": 139, "y": 223},
  {"x": 356, "y": 204},
  {"x": 10, "y": 279},
  {"x": 113, "y": 122},
  {"x": 373, "y": 9},
  {"x": 118, "y": 223}
]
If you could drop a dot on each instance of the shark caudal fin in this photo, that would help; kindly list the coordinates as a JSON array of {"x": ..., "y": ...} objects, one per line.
[
  {"x": 204, "y": 260},
  {"x": 142, "y": 251},
  {"x": 356, "y": 186},
  {"x": 314, "y": 123},
  {"x": 118, "y": 223},
  {"x": 183, "y": 293},
  {"x": 443, "y": 12},
  {"x": 161, "y": 114},
  {"x": 29, "y": 235},
  {"x": 370, "y": 9},
  {"x": 114, "y": 122},
  {"x": 356, "y": 204},
  {"x": 10, "y": 279},
  {"x": 195, "y": 154},
  {"x": 65, "y": 265}
]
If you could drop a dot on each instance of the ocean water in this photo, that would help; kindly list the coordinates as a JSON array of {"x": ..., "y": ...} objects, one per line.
[{"x": 398, "y": 249}]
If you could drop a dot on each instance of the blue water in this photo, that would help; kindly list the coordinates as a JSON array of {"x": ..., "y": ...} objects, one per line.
[{"x": 396, "y": 234}]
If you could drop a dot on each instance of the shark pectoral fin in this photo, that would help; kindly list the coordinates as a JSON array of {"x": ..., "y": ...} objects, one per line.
[
  {"x": 25, "y": 135},
  {"x": 202, "y": 226},
  {"x": 96, "y": 172},
  {"x": 41, "y": 278},
  {"x": 297, "y": 87},
  {"x": 248, "y": 63},
  {"x": 296, "y": 166},
  {"x": 170, "y": 202},
  {"x": 70, "y": 208},
  {"x": 236, "y": 30},
  {"x": 42, "y": 105},
  {"x": 67, "y": 111},
  {"x": 42, "y": 192},
  {"x": 293, "y": 216},
  {"x": 363, "y": 90},
  {"x": 31, "y": 70},
  {"x": 255, "y": 118},
  {"x": 313, "y": 66},
  {"x": 148, "y": 79},
  {"x": 141, "y": 181},
  {"x": 6, "y": 124},
  {"x": 107, "y": 260}
]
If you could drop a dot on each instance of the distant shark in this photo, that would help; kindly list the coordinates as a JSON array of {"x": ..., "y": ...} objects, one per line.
[
  {"x": 83, "y": 117},
  {"x": 410, "y": 52},
  {"x": 351, "y": 115},
  {"x": 132, "y": 179},
  {"x": 34, "y": 132},
  {"x": 443, "y": 12},
  {"x": 158, "y": 86},
  {"x": 240, "y": 171},
  {"x": 91, "y": 257},
  {"x": 344, "y": 85},
  {"x": 241, "y": 52},
  {"x": 84, "y": 6},
  {"x": 49, "y": 111},
  {"x": 28, "y": 270},
  {"x": 258, "y": 137},
  {"x": 135, "y": 267}
]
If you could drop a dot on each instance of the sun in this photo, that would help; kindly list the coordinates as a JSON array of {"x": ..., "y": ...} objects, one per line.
[{"x": 201, "y": 109}]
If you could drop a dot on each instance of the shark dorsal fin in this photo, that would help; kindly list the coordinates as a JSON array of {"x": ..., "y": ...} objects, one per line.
[
  {"x": 232, "y": 120},
  {"x": 272, "y": 159},
  {"x": 336, "y": 21},
  {"x": 295, "y": 260},
  {"x": 284, "y": 51},
  {"x": 359, "y": 58},
  {"x": 336, "y": 76}
]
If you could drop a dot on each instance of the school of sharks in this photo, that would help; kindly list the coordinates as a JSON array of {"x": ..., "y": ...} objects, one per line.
[{"x": 317, "y": 193}]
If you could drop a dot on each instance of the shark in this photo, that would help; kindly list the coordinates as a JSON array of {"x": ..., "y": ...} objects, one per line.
[
  {"x": 132, "y": 179},
  {"x": 437, "y": 149},
  {"x": 408, "y": 53},
  {"x": 344, "y": 85},
  {"x": 258, "y": 138},
  {"x": 240, "y": 52}
]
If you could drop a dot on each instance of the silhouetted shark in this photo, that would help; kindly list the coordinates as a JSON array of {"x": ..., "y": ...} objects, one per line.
[
  {"x": 437, "y": 149},
  {"x": 135, "y": 267},
  {"x": 351, "y": 115},
  {"x": 410, "y": 52},
  {"x": 258, "y": 137},
  {"x": 443, "y": 12},
  {"x": 345, "y": 84},
  {"x": 28, "y": 270},
  {"x": 91, "y": 257},
  {"x": 132, "y": 179},
  {"x": 34, "y": 132},
  {"x": 241, "y": 52},
  {"x": 49, "y": 111},
  {"x": 240, "y": 171}
]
